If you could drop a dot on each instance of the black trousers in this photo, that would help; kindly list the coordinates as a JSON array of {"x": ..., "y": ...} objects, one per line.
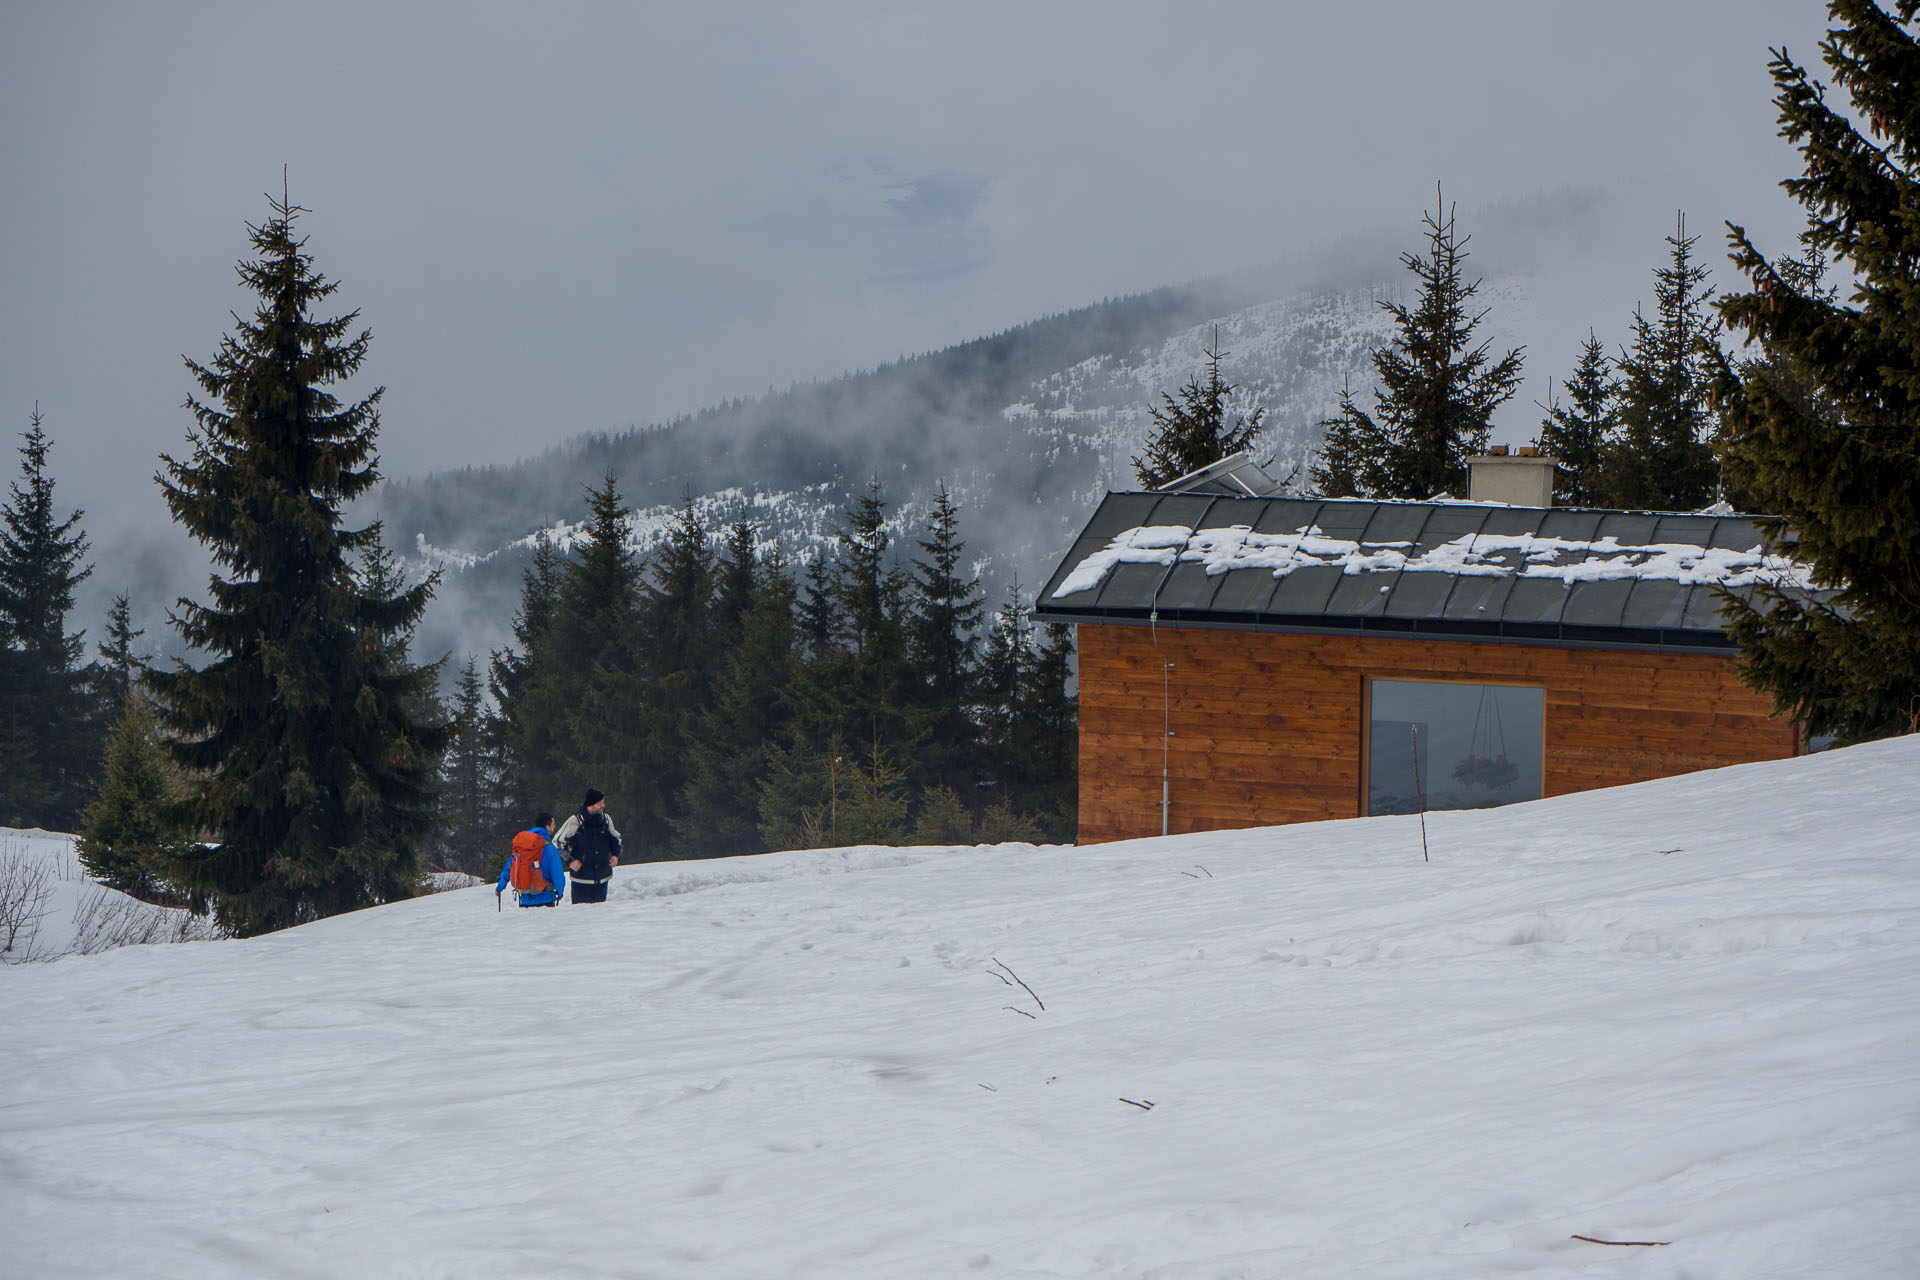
[{"x": 584, "y": 892}]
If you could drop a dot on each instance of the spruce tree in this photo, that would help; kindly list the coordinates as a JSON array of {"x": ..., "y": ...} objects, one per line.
[
  {"x": 49, "y": 725},
  {"x": 312, "y": 765},
  {"x": 1193, "y": 431},
  {"x": 749, "y": 711},
  {"x": 131, "y": 828},
  {"x": 682, "y": 651},
  {"x": 474, "y": 826},
  {"x": 1029, "y": 725},
  {"x": 1576, "y": 433},
  {"x": 1437, "y": 391},
  {"x": 1824, "y": 429},
  {"x": 1006, "y": 667},
  {"x": 1050, "y": 713},
  {"x": 869, "y": 589},
  {"x": 1660, "y": 457},
  {"x": 942, "y": 651},
  {"x": 119, "y": 666},
  {"x": 597, "y": 681},
  {"x": 734, "y": 584},
  {"x": 864, "y": 690},
  {"x": 820, "y": 624},
  {"x": 1807, "y": 275},
  {"x": 526, "y": 728}
]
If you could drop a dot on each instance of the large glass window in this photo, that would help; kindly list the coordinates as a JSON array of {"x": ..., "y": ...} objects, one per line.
[{"x": 1453, "y": 746}]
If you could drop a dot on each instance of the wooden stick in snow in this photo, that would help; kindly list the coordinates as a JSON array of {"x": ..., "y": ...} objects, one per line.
[{"x": 1023, "y": 986}]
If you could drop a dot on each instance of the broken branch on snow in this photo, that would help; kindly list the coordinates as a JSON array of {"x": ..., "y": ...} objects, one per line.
[{"x": 1008, "y": 973}]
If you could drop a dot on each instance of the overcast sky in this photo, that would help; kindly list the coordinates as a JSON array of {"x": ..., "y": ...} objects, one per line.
[{"x": 560, "y": 218}]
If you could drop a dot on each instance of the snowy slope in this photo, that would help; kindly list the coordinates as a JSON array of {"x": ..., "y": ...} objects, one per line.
[
  {"x": 50, "y": 907},
  {"x": 1681, "y": 1012}
]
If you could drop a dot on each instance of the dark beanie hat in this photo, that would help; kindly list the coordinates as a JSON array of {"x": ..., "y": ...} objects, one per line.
[{"x": 593, "y": 798}]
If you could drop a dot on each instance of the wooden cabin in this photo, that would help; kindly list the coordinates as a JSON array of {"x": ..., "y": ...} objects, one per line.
[{"x": 1248, "y": 660}]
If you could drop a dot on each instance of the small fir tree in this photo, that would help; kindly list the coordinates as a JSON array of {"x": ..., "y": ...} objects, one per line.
[
  {"x": 1576, "y": 433},
  {"x": 131, "y": 827},
  {"x": 313, "y": 766},
  {"x": 823, "y": 795},
  {"x": 1824, "y": 428},
  {"x": 1660, "y": 457},
  {"x": 943, "y": 818},
  {"x": 1193, "y": 431},
  {"x": 1437, "y": 390}
]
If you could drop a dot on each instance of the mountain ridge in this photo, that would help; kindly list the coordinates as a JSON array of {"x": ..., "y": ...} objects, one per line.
[{"x": 1026, "y": 427}]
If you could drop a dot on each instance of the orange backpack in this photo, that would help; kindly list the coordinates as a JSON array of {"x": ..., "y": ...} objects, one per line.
[{"x": 524, "y": 874}]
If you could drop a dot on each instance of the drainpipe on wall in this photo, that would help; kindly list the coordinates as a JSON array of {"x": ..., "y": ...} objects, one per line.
[{"x": 1166, "y": 691}]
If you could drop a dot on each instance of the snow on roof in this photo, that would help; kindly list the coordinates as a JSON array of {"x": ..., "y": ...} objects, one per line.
[{"x": 1473, "y": 555}]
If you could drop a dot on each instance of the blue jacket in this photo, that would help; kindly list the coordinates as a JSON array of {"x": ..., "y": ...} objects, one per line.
[{"x": 549, "y": 867}]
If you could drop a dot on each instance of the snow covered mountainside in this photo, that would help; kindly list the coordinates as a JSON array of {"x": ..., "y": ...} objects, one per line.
[
  {"x": 1025, "y": 445},
  {"x": 1670, "y": 1029},
  {"x": 1026, "y": 428}
]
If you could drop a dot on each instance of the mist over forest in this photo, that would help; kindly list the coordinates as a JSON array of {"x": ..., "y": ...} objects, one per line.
[{"x": 1028, "y": 427}]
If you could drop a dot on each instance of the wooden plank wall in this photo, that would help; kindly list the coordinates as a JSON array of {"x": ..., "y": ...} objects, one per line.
[{"x": 1267, "y": 727}]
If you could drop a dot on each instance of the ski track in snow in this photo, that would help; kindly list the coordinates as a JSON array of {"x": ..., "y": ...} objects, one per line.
[{"x": 1683, "y": 1011}]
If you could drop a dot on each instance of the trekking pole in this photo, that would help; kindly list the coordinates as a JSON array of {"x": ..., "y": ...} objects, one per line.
[{"x": 496, "y": 899}]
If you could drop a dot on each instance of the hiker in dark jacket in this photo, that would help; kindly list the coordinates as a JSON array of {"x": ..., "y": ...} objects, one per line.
[{"x": 592, "y": 845}]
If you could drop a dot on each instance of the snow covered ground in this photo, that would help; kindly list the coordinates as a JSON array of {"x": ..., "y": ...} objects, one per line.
[
  {"x": 1687, "y": 1012},
  {"x": 49, "y": 907}
]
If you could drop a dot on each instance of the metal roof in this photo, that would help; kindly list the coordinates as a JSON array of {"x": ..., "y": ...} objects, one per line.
[{"x": 1450, "y": 570}]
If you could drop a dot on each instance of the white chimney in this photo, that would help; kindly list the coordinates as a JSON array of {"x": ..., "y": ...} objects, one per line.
[{"x": 1520, "y": 479}]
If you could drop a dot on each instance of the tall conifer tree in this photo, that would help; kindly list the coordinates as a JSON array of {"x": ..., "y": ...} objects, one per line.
[
  {"x": 865, "y": 690},
  {"x": 1437, "y": 390},
  {"x": 944, "y": 614},
  {"x": 49, "y": 727},
  {"x": 526, "y": 730},
  {"x": 474, "y": 828},
  {"x": 682, "y": 652},
  {"x": 597, "y": 691},
  {"x": 1661, "y": 455},
  {"x": 312, "y": 765},
  {"x": 748, "y": 709},
  {"x": 1825, "y": 428},
  {"x": 1577, "y": 432}
]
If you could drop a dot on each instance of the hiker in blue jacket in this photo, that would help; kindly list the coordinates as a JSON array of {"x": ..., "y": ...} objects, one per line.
[{"x": 550, "y": 868}]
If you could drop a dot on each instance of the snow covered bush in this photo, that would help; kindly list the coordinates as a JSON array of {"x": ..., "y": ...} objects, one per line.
[{"x": 49, "y": 907}]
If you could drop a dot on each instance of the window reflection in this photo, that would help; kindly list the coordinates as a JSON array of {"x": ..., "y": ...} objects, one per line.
[{"x": 1453, "y": 746}]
